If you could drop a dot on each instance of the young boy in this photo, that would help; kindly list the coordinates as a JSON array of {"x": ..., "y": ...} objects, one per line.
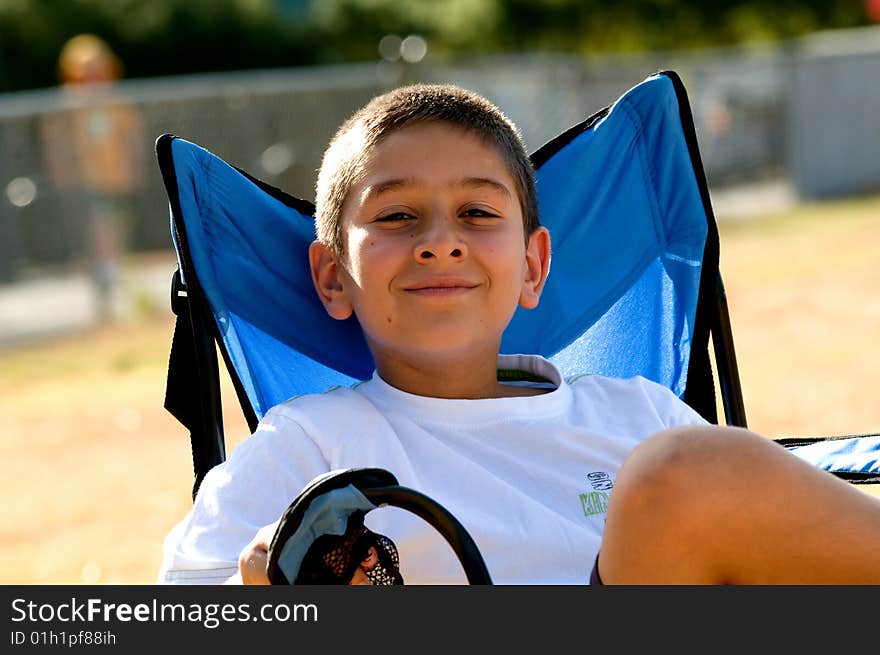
[{"x": 428, "y": 232}]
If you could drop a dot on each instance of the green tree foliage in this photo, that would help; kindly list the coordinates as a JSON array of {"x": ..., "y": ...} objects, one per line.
[
  {"x": 160, "y": 37},
  {"x": 151, "y": 37},
  {"x": 475, "y": 26},
  {"x": 597, "y": 25},
  {"x": 352, "y": 28}
]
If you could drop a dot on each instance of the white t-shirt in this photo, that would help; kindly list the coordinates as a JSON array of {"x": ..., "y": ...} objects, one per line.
[{"x": 528, "y": 477}]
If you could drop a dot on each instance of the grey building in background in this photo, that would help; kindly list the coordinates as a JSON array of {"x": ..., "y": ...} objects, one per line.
[{"x": 833, "y": 109}]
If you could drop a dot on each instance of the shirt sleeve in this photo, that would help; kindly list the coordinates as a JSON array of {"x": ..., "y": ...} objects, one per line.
[
  {"x": 248, "y": 491},
  {"x": 671, "y": 410}
]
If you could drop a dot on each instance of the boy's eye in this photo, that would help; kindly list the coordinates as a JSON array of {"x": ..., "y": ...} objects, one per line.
[
  {"x": 478, "y": 212},
  {"x": 395, "y": 217}
]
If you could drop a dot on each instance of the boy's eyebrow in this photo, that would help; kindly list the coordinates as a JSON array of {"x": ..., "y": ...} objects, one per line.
[
  {"x": 393, "y": 184},
  {"x": 477, "y": 182}
]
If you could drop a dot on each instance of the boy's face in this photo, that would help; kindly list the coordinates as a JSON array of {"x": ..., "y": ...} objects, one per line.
[{"x": 435, "y": 259}]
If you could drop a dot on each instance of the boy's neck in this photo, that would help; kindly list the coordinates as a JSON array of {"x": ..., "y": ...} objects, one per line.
[{"x": 465, "y": 378}]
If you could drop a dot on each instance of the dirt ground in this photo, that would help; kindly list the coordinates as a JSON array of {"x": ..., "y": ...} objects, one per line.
[
  {"x": 96, "y": 472},
  {"x": 805, "y": 310}
]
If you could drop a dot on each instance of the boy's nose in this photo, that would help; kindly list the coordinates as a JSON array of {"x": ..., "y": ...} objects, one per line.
[{"x": 441, "y": 241}]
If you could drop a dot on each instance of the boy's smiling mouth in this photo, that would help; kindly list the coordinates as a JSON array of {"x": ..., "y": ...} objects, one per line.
[{"x": 442, "y": 287}]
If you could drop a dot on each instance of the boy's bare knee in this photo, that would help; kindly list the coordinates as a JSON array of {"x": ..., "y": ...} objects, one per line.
[
  {"x": 669, "y": 497},
  {"x": 678, "y": 472},
  {"x": 692, "y": 452},
  {"x": 665, "y": 462}
]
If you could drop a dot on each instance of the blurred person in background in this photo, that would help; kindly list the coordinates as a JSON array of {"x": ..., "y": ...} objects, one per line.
[{"x": 94, "y": 150}]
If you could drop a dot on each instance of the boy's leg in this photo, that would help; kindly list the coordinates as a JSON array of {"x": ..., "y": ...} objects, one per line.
[{"x": 717, "y": 505}]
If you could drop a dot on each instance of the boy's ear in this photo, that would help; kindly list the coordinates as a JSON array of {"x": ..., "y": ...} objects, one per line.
[
  {"x": 537, "y": 268},
  {"x": 326, "y": 276}
]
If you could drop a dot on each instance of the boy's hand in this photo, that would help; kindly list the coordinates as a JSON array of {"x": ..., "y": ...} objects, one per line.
[{"x": 254, "y": 557}]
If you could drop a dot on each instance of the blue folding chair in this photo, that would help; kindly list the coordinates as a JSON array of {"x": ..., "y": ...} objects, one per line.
[{"x": 635, "y": 287}]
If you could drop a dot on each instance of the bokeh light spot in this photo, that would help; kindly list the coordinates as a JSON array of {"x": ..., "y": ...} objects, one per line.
[
  {"x": 21, "y": 191},
  {"x": 277, "y": 158},
  {"x": 413, "y": 48},
  {"x": 389, "y": 47}
]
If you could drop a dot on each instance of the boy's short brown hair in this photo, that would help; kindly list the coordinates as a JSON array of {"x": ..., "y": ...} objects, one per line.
[{"x": 347, "y": 152}]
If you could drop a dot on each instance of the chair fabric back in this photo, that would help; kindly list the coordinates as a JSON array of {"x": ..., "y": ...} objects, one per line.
[{"x": 618, "y": 193}]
